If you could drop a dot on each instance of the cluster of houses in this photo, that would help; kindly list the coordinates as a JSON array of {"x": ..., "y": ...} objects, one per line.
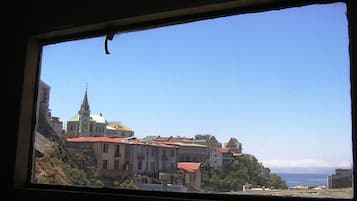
[{"x": 153, "y": 162}]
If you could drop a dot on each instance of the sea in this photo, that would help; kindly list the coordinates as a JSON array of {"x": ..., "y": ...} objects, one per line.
[{"x": 303, "y": 179}]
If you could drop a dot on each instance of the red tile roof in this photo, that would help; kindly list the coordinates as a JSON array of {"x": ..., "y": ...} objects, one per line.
[
  {"x": 118, "y": 140},
  {"x": 189, "y": 166},
  {"x": 223, "y": 150},
  {"x": 171, "y": 139},
  {"x": 97, "y": 139},
  {"x": 161, "y": 145}
]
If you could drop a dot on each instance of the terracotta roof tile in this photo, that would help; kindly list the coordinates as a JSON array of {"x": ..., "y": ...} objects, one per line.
[
  {"x": 189, "y": 166},
  {"x": 118, "y": 140},
  {"x": 223, "y": 150},
  {"x": 97, "y": 139}
]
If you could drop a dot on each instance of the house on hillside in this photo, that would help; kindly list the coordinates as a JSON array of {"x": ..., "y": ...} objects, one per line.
[
  {"x": 222, "y": 157},
  {"x": 187, "y": 148},
  {"x": 109, "y": 153},
  {"x": 147, "y": 160},
  {"x": 145, "y": 163},
  {"x": 234, "y": 146},
  {"x": 209, "y": 140},
  {"x": 192, "y": 175}
]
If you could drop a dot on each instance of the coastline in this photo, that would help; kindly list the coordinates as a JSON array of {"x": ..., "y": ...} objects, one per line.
[
  {"x": 307, "y": 180},
  {"x": 345, "y": 193}
]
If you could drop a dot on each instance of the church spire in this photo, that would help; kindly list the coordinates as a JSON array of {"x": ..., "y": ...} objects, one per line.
[
  {"x": 84, "y": 118},
  {"x": 85, "y": 104}
]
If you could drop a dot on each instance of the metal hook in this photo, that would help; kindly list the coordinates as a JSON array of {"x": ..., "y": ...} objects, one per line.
[{"x": 109, "y": 36}]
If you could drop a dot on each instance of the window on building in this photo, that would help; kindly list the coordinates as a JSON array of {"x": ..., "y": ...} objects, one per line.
[
  {"x": 116, "y": 164},
  {"x": 117, "y": 151},
  {"x": 140, "y": 165},
  {"x": 153, "y": 165},
  {"x": 105, "y": 148},
  {"x": 279, "y": 90},
  {"x": 163, "y": 155},
  {"x": 187, "y": 158},
  {"x": 163, "y": 166},
  {"x": 105, "y": 164},
  {"x": 172, "y": 153},
  {"x": 45, "y": 95}
]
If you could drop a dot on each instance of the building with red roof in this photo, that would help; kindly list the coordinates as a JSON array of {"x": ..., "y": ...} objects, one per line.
[
  {"x": 110, "y": 153},
  {"x": 221, "y": 157},
  {"x": 234, "y": 145},
  {"x": 192, "y": 174},
  {"x": 142, "y": 161}
]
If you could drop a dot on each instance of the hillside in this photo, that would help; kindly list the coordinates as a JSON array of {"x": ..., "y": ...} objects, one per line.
[
  {"x": 57, "y": 167},
  {"x": 55, "y": 164},
  {"x": 249, "y": 172}
]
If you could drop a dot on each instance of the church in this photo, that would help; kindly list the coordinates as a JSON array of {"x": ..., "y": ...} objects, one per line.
[{"x": 85, "y": 124}]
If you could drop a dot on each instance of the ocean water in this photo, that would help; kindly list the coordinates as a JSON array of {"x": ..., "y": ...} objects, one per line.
[{"x": 295, "y": 179}]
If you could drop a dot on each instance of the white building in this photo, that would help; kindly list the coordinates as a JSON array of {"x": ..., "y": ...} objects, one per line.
[{"x": 85, "y": 124}]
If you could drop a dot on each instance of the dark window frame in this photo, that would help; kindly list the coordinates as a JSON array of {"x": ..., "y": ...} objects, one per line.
[
  {"x": 117, "y": 151},
  {"x": 104, "y": 164},
  {"x": 23, "y": 165},
  {"x": 140, "y": 165},
  {"x": 116, "y": 164},
  {"x": 105, "y": 148}
]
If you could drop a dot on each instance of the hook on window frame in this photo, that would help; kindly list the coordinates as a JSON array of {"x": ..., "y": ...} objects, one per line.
[{"x": 109, "y": 36}]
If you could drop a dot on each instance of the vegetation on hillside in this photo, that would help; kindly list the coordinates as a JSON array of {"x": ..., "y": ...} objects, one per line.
[
  {"x": 126, "y": 184},
  {"x": 51, "y": 168},
  {"x": 63, "y": 166},
  {"x": 232, "y": 177}
]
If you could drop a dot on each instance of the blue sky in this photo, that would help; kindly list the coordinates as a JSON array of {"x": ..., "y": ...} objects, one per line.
[{"x": 277, "y": 81}]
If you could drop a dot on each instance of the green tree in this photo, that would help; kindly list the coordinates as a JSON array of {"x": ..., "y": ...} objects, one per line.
[
  {"x": 277, "y": 182},
  {"x": 232, "y": 177}
]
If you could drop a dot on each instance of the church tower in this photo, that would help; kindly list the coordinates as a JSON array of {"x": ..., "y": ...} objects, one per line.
[{"x": 84, "y": 117}]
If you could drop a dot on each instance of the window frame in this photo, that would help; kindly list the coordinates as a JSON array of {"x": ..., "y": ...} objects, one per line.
[
  {"x": 117, "y": 151},
  {"x": 116, "y": 164},
  {"x": 105, "y": 164},
  {"x": 105, "y": 147},
  {"x": 27, "y": 117}
]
